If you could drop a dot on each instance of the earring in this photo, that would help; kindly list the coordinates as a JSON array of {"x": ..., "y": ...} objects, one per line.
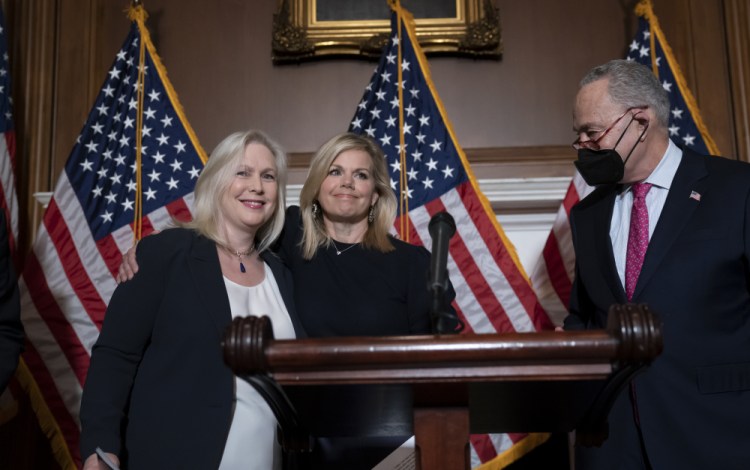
[
  {"x": 371, "y": 215},
  {"x": 315, "y": 209}
]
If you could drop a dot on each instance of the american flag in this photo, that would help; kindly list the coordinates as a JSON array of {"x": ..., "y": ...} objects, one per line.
[
  {"x": 553, "y": 274},
  {"x": 650, "y": 48},
  {"x": 136, "y": 154},
  {"x": 430, "y": 174},
  {"x": 8, "y": 198}
]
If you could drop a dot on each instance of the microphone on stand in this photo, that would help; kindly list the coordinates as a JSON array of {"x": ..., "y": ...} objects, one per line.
[{"x": 441, "y": 227}]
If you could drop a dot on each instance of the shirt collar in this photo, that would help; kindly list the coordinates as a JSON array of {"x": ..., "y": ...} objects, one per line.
[{"x": 664, "y": 172}]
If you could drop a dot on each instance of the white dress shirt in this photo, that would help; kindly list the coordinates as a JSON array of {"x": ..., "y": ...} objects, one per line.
[{"x": 661, "y": 179}]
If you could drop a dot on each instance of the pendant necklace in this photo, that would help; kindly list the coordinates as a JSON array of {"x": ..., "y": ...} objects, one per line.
[
  {"x": 240, "y": 254},
  {"x": 338, "y": 251}
]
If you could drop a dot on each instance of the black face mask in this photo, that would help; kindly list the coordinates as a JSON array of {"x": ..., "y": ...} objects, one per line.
[
  {"x": 604, "y": 166},
  {"x": 598, "y": 167}
]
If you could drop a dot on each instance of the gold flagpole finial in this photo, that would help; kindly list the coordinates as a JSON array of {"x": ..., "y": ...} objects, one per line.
[{"x": 137, "y": 12}]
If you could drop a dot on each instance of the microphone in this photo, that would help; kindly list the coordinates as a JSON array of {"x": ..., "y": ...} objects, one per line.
[{"x": 441, "y": 227}]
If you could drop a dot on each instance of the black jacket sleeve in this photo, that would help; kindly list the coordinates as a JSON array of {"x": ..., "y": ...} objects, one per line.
[
  {"x": 118, "y": 351},
  {"x": 11, "y": 330}
]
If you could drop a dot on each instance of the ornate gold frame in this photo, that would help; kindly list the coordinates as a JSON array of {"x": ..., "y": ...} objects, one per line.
[{"x": 474, "y": 32}]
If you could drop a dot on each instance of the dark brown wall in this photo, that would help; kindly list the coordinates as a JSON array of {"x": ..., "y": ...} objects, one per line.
[
  {"x": 218, "y": 56},
  {"x": 511, "y": 115},
  {"x": 223, "y": 72}
]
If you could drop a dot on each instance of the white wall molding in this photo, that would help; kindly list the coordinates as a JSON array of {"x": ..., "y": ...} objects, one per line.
[{"x": 525, "y": 192}]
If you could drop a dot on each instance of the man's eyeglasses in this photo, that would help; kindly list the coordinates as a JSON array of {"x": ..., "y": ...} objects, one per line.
[{"x": 593, "y": 144}]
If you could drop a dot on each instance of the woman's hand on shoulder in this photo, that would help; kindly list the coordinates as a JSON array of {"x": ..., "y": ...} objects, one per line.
[{"x": 128, "y": 267}]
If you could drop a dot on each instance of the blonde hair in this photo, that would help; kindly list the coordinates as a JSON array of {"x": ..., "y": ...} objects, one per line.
[
  {"x": 215, "y": 179},
  {"x": 314, "y": 233}
]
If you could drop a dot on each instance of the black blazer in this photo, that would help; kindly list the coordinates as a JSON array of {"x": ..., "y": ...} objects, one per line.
[
  {"x": 158, "y": 393},
  {"x": 694, "y": 400},
  {"x": 11, "y": 330}
]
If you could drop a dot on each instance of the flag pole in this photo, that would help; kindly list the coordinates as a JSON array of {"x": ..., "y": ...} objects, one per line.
[
  {"x": 138, "y": 14},
  {"x": 403, "y": 197},
  {"x": 645, "y": 8}
]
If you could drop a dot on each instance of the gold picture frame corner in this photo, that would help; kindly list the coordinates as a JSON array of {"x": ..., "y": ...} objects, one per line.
[{"x": 475, "y": 32}]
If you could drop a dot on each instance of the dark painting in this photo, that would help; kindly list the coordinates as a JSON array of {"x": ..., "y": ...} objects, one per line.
[{"x": 357, "y": 10}]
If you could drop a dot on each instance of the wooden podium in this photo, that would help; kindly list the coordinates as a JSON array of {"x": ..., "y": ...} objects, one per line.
[{"x": 442, "y": 388}]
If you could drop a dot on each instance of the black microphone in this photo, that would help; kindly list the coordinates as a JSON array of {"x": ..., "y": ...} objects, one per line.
[{"x": 442, "y": 227}]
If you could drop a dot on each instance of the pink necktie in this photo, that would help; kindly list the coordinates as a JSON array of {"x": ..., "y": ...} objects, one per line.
[{"x": 638, "y": 237}]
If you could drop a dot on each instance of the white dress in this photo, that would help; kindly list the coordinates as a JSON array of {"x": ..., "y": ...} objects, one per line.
[{"x": 252, "y": 443}]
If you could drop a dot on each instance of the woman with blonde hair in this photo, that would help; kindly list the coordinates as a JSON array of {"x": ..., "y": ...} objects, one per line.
[
  {"x": 352, "y": 278},
  {"x": 158, "y": 394}
]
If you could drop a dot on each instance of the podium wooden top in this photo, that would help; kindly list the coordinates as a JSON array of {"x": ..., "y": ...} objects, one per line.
[{"x": 633, "y": 336}]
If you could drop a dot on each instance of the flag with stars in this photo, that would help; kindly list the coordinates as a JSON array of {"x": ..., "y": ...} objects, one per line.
[
  {"x": 650, "y": 48},
  {"x": 132, "y": 170},
  {"x": 553, "y": 274},
  {"x": 8, "y": 198},
  {"x": 429, "y": 174}
]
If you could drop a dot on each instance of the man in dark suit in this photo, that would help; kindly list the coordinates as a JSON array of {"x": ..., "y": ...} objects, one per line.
[
  {"x": 670, "y": 229},
  {"x": 11, "y": 330}
]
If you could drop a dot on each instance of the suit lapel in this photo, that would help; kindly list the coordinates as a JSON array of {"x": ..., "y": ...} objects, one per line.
[
  {"x": 678, "y": 209},
  {"x": 603, "y": 245},
  {"x": 208, "y": 282}
]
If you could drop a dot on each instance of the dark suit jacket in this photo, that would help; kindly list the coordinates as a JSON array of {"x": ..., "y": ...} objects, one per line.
[
  {"x": 694, "y": 400},
  {"x": 11, "y": 330},
  {"x": 158, "y": 393}
]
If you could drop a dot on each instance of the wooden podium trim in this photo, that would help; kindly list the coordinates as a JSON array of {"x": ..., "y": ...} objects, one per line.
[{"x": 631, "y": 336}]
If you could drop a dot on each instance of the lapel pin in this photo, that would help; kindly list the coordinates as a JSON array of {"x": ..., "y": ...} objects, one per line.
[{"x": 695, "y": 195}]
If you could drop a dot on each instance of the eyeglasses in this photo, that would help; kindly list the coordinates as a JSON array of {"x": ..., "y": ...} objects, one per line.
[{"x": 593, "y": 144}]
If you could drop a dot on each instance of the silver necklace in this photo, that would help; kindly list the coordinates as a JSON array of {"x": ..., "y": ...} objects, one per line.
[
  {"x": 339, "y": 251},
  {"x": 240, "y": 254}
]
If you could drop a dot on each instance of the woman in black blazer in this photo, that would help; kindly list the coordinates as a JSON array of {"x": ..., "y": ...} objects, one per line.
[{"x": 158, "y": 394}]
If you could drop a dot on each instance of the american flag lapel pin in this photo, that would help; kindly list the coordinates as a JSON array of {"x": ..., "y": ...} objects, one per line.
[{"x": 695, "y": 195}]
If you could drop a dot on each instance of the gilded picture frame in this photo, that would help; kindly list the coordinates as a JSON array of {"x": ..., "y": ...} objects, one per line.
[{"x": 471, "y": 28}]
